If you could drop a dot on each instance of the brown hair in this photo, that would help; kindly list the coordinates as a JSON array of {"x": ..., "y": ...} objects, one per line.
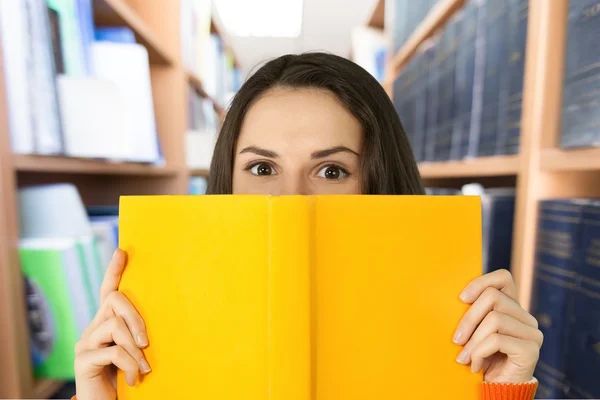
[{"x": 388, "y": 165}]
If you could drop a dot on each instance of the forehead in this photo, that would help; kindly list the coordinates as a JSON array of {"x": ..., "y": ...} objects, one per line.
[{"x": 285, "y": 117}]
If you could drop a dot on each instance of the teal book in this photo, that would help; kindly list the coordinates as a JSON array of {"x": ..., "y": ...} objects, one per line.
[
  {"x": 72, "y": 42},
  {"x": 58, "y": 301}
]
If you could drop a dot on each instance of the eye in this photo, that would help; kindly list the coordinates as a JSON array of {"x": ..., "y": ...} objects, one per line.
[
  {"x": 332, "y": 173},
  {"x": 262, "y": 169}
]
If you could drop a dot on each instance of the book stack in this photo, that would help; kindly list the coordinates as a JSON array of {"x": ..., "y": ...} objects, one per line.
[
  {"x": 63, "y": 256},
  {"x": 204, "y": 53},
  {"x": 460, "y": 96},
  {"x": 581, "y": 98},
  {"x": 69, "y": 94},
  {"x": 566, "y": 298}
]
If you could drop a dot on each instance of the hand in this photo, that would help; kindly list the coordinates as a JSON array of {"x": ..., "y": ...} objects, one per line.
[
  {"x": 113, "y": 340},
  {"x": 497, "y": 334}
]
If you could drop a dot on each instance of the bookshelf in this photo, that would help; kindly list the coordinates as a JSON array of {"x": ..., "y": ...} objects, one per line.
[
  {"x": 157, "y": 27},
  {"x": 542, "y": 170},
  {"x": 199, "y": 172}
]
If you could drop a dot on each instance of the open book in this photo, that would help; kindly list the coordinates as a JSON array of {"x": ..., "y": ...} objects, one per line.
[{"x": 301, "y": 297}]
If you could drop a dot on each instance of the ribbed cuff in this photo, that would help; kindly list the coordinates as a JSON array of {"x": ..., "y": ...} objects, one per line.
[{"x": 509, "y": 391}]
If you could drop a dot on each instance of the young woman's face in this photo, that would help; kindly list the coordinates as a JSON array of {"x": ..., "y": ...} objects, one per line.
[{"x": 298, "y": 141}]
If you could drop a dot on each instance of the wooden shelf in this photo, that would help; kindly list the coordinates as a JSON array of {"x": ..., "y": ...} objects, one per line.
[
  {"x": 119, "y": 13},
  {"x": 197, "y": 83},
  {"x": 437, "y": 17},
  {"x": 587, "y": 159},
  {"x": 199, "y": 172},
  {"x": 51, "y": 164},
  {"x": 477, "y": 167},
  {"x": 46, "y": 388}
]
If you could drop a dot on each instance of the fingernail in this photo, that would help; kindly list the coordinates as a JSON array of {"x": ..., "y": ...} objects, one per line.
[
  {"x": 130, "y": 380},
  {"x": 142, "y": 340},
  {"x": 473, "y": 369},
  {"x": 144, "y": 366},
  {"x": 457, "y": 336},
  {"x": 464, "y": 296},
  {"x": 462, "y": 357},
  {"x": 115, "y": 254}
]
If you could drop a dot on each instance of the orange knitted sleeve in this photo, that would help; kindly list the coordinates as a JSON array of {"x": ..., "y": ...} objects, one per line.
[
  {"x": 508, "y": 391},
  {"x": 500, "y": 391}
]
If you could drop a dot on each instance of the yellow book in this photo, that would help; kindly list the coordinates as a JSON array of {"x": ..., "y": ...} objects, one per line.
[{"x": 301, "y": 297}]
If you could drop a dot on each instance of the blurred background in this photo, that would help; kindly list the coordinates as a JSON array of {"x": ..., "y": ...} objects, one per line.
[{"x": 102, "y": 98}]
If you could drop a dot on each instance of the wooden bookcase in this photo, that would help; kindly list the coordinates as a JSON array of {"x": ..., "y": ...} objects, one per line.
[
  {"x": 542, "y": 170},
  {"x": 156, "y": 25}
]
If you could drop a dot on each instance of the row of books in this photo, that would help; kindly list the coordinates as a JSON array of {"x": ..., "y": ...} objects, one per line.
[
  {"x": 74, "y": 88},
  {"x": 566, "y": 298},
  {"x": 404, "y": 16},
  {"x": 64, "y": 250},
  {"x": 461, "y": 95},
  {"x": 498, "y": 209},
  {"x": 202, "y": 134},
  {"x": 581, "y": 94},
  {"x": 204, "y": 52}
]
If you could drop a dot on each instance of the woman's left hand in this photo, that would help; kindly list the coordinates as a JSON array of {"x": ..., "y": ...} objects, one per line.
[{"x": 497, "y": 334}]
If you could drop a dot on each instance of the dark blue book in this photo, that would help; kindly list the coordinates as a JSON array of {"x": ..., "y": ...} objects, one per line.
[
  {"x": 443, "y": 139},
  {"x": 581, "y": 94},
  {"x": 555, "y": 282},
  {"x": 433, "y": 100},
  {"x": 511, "y": 103},
  {"x": 498, "y": 211},
  {"x": 404, "y": 99},
  {"x": 590, "y": 242},
  {"x": 465, "y": 73},
  {"x": 496, "y": 65},
  {"x": 423, "y": 61},
  {"x": 584, "y": 341}
]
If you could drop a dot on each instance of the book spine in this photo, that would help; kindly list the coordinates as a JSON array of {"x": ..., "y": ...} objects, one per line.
[
  {"x": 495, "y": 67},
  {"x": 512, "y": 91},
  {"x": 44, "y": 104},
  {"x": 478, "y": 60},
  {"x": 420, "y": 124},
  {"x": 290, "y": 326},
  {"x": 555, "y": 281},
  {"x": 433, "y": 101},
  {"x": 581, "y": 105},
  {"x": 499, "y": 239}
]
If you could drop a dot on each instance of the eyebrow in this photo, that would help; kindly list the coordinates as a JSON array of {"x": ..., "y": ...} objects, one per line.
[
  {"x": 315, "y": 155},
  {"x": 259, "y": 151},
  {"x": 332, "y": 150}
]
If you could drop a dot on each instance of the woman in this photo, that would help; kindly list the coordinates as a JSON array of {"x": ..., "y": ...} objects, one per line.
[{"x": 319, "y": 124}]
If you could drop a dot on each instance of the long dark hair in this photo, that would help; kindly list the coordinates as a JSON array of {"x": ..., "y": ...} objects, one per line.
[{"x": 388, "y": 165}]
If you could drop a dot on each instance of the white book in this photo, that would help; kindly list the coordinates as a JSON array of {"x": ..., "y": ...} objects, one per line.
[
  {"x": 127, "y": 65},
  {"x": 16, "y": 58},
  {"x": 199, "y": 148},
  {"x": 93, "y": 118},
  {"x": 42, "y": 76},
  {"x": 104, "y": 235}
]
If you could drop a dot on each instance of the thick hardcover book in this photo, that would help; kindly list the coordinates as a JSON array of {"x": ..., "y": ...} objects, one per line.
[
  {"x": 496, "y": 64},
  {"x": 581, "y": 94},
  {"x": 443, "y": 140},
  {"x": 465, "y": 72},
  {"x": 478, "y": 79},
  {"x": 433, "y": 100},
  {"x": 555, "y": 282},
  {"x": 498, "y": 208},
  {"x": 423, "y": 63},
  {"x": 511, "y": 104},
  {"x": 300, "y": 297}
]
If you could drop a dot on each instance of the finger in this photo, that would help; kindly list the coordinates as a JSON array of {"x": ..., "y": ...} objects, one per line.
[
  {"x": 490, "y": 300},
  {"x": 115, "y": 331},
  {"x": 90, "y": 364},
  {"x": 112, "y": 277},
  {"x": 496, "y": 322},
  {"x": 523, "y": 353},
  {"x": 500, "y": 279},
  {"x": 117, "y": 304}
]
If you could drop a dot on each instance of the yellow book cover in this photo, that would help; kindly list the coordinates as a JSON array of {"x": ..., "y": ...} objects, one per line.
[{"x": 301, "y": 297}]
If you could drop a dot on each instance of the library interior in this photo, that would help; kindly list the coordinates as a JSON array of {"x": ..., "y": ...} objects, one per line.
[{"x": 485, "y": 93}]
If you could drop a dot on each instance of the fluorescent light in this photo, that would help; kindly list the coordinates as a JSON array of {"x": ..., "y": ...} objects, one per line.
[{"x": 261, "y": 18}]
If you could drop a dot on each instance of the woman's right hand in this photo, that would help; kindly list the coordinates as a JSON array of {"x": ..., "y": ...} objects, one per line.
[{"x": 113, "y": 340}]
